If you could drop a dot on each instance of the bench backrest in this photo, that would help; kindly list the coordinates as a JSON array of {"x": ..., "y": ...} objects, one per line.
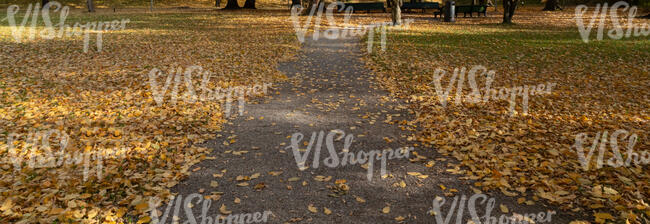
[
  {"x": 421, "y": 5},
  {"x": 471, "y": 8},
  {"x": 365, "y": 5}
]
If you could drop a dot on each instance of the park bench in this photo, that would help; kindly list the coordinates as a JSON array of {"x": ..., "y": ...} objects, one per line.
[
  {"x": 471, "y": 9},
  {"x": 420, "y": 5},
  {"x": 365, "y": 6}
]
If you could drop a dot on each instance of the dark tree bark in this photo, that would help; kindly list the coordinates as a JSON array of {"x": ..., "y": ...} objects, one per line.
[
  {"x": 396, "y": 12},
  {"x": 232, "y": 4},
  {"x": 91, "y": 5},
  {"x": 509, "y": 7},
  {"x": 249, "y": 4},
  {"x": 311, "y": 5},
  {"x": 551, "y": 5}
]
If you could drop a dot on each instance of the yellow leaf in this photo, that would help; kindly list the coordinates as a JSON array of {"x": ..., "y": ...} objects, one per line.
[
  {"x": 386, "y": 210},
  {"x": 327, "y": 211},
  {"x": 223, "y": 210},
  {"x": 142, "y": 206},
  {"x": 8, "y": 204},
  {"x": 311, "y": 208},
  {"x": 145, "y": 219},
  {"x": 503, "y": 208},
  {"x": 603, "y": 216}
]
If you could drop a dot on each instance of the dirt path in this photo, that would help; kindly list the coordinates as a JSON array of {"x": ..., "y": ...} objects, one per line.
[{"x": 329, "y": 89}]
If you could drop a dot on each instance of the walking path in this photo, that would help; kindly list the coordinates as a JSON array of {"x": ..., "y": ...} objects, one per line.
[{"x": 329, "y": 88}]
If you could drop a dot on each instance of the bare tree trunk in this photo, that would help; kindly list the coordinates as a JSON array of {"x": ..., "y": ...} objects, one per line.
[
  {"x": 551, "y": 5},
  {"x": 249, "y": 4},
  {"x": 509, "y": 7},
  {"x": 396, "y": 12},
  {"x": 232, "y": 4},
  {"x": 91, "y": 6},
  {"x": 311, "y": 4}
]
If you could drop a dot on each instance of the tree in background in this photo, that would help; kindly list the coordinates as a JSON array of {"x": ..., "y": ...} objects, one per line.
[
  {"x": 91, "y": 5},
  {"x": 249, "y": 4},
  {"x": 311, "y": 4},
  {"x": 232, "y": 4},
  {"x": 396, "y": 12},
  {"x": 509, "y": 7},
  {"x": 551, "y": 5}
]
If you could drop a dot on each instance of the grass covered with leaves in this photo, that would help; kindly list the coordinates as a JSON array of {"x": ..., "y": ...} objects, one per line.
[
  {"x": 103, "y": 100},
  {"x": 600, "y": 86}
]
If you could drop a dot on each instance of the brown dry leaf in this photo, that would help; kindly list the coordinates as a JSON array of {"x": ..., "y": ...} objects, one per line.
[
  {"x": 255, "y": 175},
  {"x": 224, "y": 210},
  {"x": 312, "y": 209}
]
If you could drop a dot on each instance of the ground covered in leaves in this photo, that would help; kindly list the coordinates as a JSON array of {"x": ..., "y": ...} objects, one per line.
[
  {"x": 600, "y": 86},
  {"x": 103, "y": 101}
]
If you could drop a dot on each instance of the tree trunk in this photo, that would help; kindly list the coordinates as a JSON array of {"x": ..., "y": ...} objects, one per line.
[
  {"x": 311, "y": 5},
  {"x": 249, "y": 4},
  {"x": 217, "y": 3},
  {"x": 91, "y": 6},
  {"x": 551, "y": 5},
  {"x": 232, "y": 4},
  {"x": 509, "y": 7},
  {"x": 396, "y": 12}
]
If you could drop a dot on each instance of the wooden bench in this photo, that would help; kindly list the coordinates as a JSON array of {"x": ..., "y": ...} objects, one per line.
[
  {"x": 471, "y": 9},
  {"x": 421, "y": 5},
  {"x": 365, "y": 6}
]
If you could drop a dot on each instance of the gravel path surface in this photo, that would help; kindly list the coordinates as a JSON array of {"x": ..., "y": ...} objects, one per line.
[{"x": 329, "y": 89}]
